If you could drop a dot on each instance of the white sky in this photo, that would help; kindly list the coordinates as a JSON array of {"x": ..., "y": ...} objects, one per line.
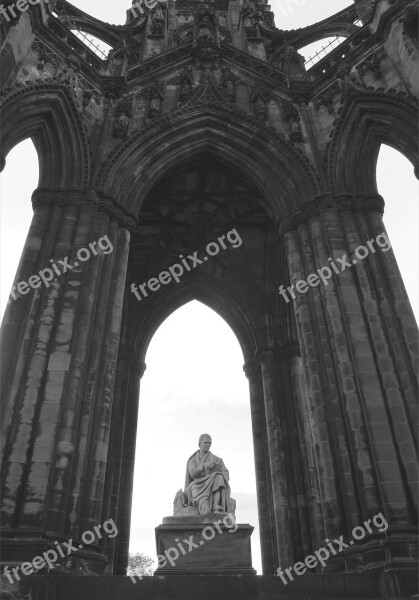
[{"x": 194, "y": 381}]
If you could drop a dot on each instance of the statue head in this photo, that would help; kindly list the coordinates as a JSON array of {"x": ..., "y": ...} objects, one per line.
[{"x": 205, "y": 442}]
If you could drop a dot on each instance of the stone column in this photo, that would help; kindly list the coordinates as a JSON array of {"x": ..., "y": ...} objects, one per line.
[
  {"x": 275, "y": 426},
  {"x": 263, "y": 479},
  {"x": 59, "y": 384},
  {"x": 125, "y": 438},
  {"x": 305, "y": 499},
  {"x": 357, "y": 349}
]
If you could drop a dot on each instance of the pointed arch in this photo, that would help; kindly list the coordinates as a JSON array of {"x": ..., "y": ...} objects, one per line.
[
  {"x": 278, "y": 168},
  {"x": 369, "y": 119},
  {"x": 234, "y": 313},
  {"x": 47, "y": 113}
]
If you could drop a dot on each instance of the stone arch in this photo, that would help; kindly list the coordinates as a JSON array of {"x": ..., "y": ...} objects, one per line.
[
  {"x": 234, "y": 313},
  {"x": 47, "y": 113},
  {"x": 368, "y": 120},
  {"x": 278, "y": 168}
]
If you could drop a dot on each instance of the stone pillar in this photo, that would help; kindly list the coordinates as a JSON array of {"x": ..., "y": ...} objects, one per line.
[
  {"x": 275, "y": 426},
  {"x": 263, "y": 479},
  {"x": 312, "y": 500},
  {"x": 357, "y": 341},
  {"x": 60, "y": 343},
  {"x": 305, "y": 501},
  {"x": 122, "y": 468}
]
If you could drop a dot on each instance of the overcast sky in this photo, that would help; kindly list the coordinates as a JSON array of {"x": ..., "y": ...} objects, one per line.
[{"x": 194, "y": 382}]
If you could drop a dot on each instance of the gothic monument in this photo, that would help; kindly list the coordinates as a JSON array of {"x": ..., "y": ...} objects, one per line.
[{"x": 204, "y": 117}]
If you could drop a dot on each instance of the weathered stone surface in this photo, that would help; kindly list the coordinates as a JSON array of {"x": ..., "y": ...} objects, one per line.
[
  {"x": 361, "y": 586},
  {"x": 199, "y": 123},
  {"x": 212, "y": 549}
]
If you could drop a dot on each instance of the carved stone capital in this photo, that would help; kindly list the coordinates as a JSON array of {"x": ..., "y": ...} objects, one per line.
[
  {"x": 300, "y": 216},
  {"x": 139, "y": 369},
  {"x": 265, "y": 355},
  {"x": 251, "y": 369},
  {"x": 360, "y": 202},
  {"x": 45, "y": 196}
]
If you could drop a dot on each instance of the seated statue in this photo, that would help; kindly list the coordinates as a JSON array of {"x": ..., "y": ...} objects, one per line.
[{"x": 207, "y": 489}]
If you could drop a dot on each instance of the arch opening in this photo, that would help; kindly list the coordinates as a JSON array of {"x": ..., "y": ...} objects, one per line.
[
  {"x": 16, "y": 211},
  {"x": 194, "y": 383},
  {"x": 401, "y": 215}
]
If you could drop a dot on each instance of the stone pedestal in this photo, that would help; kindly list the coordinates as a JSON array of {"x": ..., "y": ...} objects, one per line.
[{"x": 204, "y": 546}]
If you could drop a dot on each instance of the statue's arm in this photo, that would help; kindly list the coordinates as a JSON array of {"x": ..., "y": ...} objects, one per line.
[{"x": 194, "y": 471}]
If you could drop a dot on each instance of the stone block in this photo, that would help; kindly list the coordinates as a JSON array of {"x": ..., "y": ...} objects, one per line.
[{"x": 202, "y": 545}]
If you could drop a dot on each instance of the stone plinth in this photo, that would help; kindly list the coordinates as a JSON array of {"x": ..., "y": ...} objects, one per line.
[{"x": 203, "y": 545}]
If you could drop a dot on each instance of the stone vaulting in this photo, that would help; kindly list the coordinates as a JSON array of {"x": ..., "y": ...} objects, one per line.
[{"x": 204, "y": 117}]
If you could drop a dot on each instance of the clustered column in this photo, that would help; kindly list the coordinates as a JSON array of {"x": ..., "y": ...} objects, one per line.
[
  {"x": 60, "y": 344},
  {"x": 357, "y": 337}
]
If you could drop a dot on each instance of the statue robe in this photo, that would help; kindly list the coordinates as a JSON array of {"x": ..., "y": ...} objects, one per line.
[{"x": 199, "y": 491}]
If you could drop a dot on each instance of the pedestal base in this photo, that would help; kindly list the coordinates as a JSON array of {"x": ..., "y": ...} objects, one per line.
[{"x": 203, "y": 548}]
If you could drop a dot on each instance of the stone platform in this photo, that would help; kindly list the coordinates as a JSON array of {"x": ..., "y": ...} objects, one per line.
[
  {"x": 333, "y": 586},
  {"x": 204, "y": 546}
]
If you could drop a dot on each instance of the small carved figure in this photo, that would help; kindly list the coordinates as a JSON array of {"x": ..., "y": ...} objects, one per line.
[
  {"x": 204, "y": 33},
  {"x": 259, "y": 106},
  {"x": 249, "y": 20},
  {"x": 155, "y": 97},
  {"x": 123, "y": 114}
]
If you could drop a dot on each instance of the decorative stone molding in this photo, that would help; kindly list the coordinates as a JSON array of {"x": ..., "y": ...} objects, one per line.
[
  {"x": 251, "y": 370},
  {"x": 372, "y": 64},
  {"x": 44, "y": 55},
  {"x": 327, "y": 96},
  {"x": 82, "y": 197},
  {"x": 299, "y": 216},
  {"x": 360, "y": 202},
  {"x": 265, "y": 355}
]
